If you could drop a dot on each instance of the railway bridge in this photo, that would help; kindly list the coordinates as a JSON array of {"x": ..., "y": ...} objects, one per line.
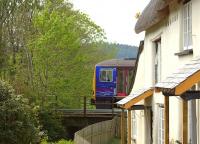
[{"x": 76, "y": 119}]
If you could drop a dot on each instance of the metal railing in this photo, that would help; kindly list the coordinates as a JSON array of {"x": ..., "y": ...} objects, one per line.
[{"x": 84, "y": 111}]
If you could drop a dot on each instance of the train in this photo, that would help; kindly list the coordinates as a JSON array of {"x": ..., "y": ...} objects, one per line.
[{"x": 112, "y": 81}]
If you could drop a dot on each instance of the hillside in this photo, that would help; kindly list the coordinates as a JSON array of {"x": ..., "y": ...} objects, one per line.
[{"x": 126, "y": 51}]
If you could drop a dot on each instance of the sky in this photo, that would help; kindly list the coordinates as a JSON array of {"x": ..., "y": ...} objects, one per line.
[{"x": 116, "y": 17}]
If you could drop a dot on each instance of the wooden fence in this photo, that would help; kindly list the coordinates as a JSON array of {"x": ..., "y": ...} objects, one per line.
[{"x": 99, "y": 133}]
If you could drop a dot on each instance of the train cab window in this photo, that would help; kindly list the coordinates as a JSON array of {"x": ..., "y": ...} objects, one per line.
[{"x": 106, "y": 75}]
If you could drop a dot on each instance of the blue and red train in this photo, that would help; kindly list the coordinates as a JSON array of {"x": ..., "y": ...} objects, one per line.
[{"x": 112, "y": 81}]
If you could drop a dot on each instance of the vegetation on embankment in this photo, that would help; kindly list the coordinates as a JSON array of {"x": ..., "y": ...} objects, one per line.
[{"x": 19, "y": 119}]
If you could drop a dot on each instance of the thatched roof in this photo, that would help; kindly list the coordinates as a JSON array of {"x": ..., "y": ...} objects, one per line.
[
  {"x": 118, "y": 63},
  {"x": 154, "y": 12}
]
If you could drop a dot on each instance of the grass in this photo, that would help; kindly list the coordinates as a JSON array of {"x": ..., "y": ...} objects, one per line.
[
  {"x": 62, "y": 141},
  {"x": 115, "y": 141}
]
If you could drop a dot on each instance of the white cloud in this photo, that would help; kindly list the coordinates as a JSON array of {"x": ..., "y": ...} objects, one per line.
[{"x": 116, "y": 17}]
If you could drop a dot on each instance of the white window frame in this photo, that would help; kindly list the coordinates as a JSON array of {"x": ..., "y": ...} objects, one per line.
[
  {"x": 187, "y": 26},
  {"x": 161, "y": 129}
]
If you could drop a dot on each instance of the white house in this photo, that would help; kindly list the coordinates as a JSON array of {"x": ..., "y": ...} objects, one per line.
[{"x": 168, "y": 75}]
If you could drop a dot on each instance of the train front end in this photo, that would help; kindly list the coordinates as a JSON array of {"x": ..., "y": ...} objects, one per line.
[{"x": 111, "y": 82}]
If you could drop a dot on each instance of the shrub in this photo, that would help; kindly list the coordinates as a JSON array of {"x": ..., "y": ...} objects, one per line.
[
  {"x": 18, "y": 119},
  {"x": 52, "y": 124},
  {"x": 62, "y": 141}
]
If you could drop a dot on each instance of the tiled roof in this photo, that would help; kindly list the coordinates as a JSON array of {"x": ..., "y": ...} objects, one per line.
[
  {"x": 181, "y": 75},
  {"x": 135, "y": 97}
]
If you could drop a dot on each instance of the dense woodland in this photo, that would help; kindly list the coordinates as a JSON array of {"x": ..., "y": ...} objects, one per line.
[
  {"x": 47, "y": 54},
  {"x": 125, "y": 51}
]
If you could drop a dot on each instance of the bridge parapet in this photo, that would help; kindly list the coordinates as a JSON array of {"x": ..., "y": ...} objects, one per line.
[{"x": 101, "y": 113}]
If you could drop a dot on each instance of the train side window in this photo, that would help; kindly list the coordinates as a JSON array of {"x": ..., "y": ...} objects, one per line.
[{"x": 106, "y": 75}]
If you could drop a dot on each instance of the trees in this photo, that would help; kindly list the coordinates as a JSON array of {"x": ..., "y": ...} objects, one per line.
[
  {"x": 15, "y": 30},
  {"x": 62, "y": 48}
]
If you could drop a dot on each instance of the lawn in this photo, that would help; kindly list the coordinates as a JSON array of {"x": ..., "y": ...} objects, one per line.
[{"x": 115, "y": 141}]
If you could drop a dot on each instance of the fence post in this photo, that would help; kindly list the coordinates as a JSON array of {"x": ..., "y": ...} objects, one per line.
[
  {"x": 84, "y": 108},
  {"x": 112, "y": 106},
  {"x": 91, "y": 134}
]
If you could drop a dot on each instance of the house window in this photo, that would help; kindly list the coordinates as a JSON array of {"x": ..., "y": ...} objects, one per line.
[
  {"x": 160, "y": 124},
  {"x": 157, "y": 64},
  {"x": 187, "y": 25},
  {"x": 134, "y": 125},
  {"x": 106, "y": 75}
]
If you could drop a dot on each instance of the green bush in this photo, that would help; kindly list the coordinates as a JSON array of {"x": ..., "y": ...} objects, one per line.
[
  {"x": 52, "y": 124},
  {"x": 62, "y": 141},
  {"x": 18, "y": 119}
]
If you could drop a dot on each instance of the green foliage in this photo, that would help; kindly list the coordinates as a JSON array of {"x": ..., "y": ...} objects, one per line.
[
  {"x": 65, "y": 48},
  {"x": 18, "y": 123},
  {"x": 114, "y": 141},
  {"x": 52, "y": 124},
  {"x": 62, "y": 141}
]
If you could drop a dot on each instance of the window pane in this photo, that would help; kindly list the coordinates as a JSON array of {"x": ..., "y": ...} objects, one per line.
[
  {"x": 189, "y": 9},
  {"x": 106, "y": 75},
  {"x": 134, "y": 125},
  {"x": 190, "y": 24},
  {"x": 185, "y": 41},
  {"x": 109, "y": 75},
  {"x": 187, "y": 25},
  {"x": 160, "y": 125},
  {"x": 185, "y": 12},
  {"x": 190, "y": 39}
]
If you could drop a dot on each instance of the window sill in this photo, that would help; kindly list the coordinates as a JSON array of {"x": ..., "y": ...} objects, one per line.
[{"x": 185, "y": 52}]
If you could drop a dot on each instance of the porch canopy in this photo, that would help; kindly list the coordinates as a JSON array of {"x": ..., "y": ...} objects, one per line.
[
  {"x": 128, "y": 103},
  {"x": 181, "y": 80},
  {"x": 135, "y": 97},
  {"x": 178, "y": 84}
]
